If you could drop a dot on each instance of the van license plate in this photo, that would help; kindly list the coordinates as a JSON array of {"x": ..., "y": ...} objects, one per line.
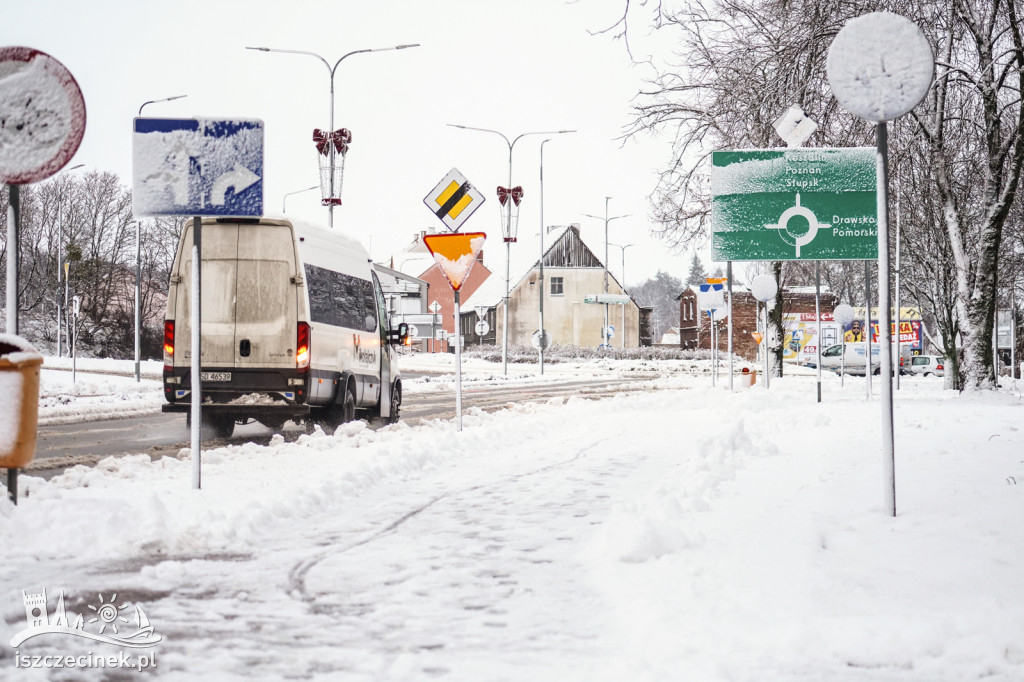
[{"x": 215, "y": 376}]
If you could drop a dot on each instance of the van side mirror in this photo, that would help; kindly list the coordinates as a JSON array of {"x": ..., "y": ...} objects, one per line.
[{"x": 399, "y": 336}]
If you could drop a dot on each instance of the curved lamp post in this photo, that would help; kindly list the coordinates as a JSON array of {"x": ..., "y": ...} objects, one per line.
[
  {"x": 331, "y": 70},
  {"x": 624, "y": 247},
  {"x": 60, "y": 267},
  {"x": 138, "y": 265},
  {"x": 508, "y": 230},
  {"x": 284, "y": 200},
  {"x": 606, "y": 220}
]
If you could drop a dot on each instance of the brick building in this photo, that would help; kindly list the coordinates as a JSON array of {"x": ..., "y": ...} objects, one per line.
[{"x": 695, "y": 324}]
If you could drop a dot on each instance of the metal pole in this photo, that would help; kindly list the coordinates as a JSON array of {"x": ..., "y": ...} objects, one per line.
[
  {"x": 606, "y": 337},
  {"x": 331, "y": 71},
  {"x": 458, "y": 362},
  {"x": 67, "y": 312},
  {"x": 74, "y": 349},
  {"x": 728, "y": 284},
  {"x": 284, "y": 200},
  {"x": 13, "y": 254},
  {"x": 899, "y": 332},
  {"x": 138, "y": 298},
  {"x": 60, "y": 268},
  {"x": 817, "y": 316},
  {"x": 1013, "y": 330},
  {"x": 197, "y": 388},
  {"x": 714, "y": 348},
  {"x": 764, "y": 306},
  {"x": 867, "y": 326},
  {"x": 623, "y": 331},
  {"x": 885, "y": 319},
  {"x": 540, "y": 263},
  {"x": 12, "y": 485}
]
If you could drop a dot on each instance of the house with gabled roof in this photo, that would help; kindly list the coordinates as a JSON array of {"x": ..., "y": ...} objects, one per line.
[{"x": 572, "y": 274}]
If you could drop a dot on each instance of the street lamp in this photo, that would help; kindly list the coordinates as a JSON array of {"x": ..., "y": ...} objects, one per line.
[
  {"x": 624, "y": 247},
  {"x": 331, "y": 200},
  {"x": 157, "y": 101},
  {"x": 606, "y": 220},
  {"x": 138, "y": 265},
  {"x": 60, "y": 262},
  {"x": 298, "y": 191},
  {"x": 540, "y": 280},
  {"x": 509, "y": 234}
]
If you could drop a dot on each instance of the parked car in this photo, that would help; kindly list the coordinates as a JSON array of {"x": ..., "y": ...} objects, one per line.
[
  {"x": 927, "y": 365},
  {"x": 854, "y": 362}
]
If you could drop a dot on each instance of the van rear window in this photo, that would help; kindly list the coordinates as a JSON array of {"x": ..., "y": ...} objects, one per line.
[{"x": 340, "y": 300}]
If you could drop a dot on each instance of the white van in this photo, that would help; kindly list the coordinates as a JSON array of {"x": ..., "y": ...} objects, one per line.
[
  {"x": 294, "y": 327},
  {"x": 854, "y": 363}
]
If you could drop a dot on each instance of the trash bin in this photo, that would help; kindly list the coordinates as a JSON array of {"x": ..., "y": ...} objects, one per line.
[
  {"x": 19, "y": 411},
  {"x": 748, "y": 377}
]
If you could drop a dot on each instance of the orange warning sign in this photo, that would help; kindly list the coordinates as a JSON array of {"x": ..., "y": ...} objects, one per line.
[
  {"x": 455, "y": 253},
  {"x": 757, "y": 337}
]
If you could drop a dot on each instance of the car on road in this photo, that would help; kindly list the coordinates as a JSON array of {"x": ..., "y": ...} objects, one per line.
[{"x": 927, "y": 365}]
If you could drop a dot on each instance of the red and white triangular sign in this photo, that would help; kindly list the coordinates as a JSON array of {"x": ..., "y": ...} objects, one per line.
[{"x": 455, "y": 253}]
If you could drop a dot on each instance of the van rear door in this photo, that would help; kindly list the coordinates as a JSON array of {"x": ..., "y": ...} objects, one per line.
[
  {"x": 266, "y": 297},
  {"x": 249, "y": 302}
]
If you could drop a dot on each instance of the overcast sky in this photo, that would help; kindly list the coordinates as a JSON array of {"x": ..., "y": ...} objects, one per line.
[{"x": 522, "y": 66}]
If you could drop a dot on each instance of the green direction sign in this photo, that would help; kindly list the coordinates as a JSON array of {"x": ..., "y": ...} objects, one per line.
[{"x": 794, "y": 204}]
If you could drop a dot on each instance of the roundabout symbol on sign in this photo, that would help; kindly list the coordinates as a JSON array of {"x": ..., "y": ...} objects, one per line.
[{"x": 812, "y": 225}]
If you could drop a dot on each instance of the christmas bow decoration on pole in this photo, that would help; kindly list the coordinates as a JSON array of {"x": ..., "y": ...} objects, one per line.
[
  {"x": 340, "y": 138},
  {"x": 516, "y": 194}
]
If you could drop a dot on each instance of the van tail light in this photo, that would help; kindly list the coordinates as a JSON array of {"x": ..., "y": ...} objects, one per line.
[
  {"x": 168, "y": 345},
  {"x": 302, "y": 348}
]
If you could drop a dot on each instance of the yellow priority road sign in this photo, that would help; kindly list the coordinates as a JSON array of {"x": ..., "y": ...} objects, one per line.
[{"x": 453, "y": 200}]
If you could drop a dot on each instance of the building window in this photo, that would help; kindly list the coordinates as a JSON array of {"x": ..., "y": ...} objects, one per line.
[{"x": 556, "y": 286}]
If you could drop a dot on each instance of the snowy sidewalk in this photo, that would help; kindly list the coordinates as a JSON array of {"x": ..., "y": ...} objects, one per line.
[{"x": 687, "y": 534}]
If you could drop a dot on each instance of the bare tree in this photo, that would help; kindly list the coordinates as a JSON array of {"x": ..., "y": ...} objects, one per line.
[
  {"x": 740, "y": 63},
  {"x": 974, "y": 120}
]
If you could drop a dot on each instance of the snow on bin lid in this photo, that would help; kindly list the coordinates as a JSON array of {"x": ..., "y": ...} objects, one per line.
[{"x": 15, "y": 350}]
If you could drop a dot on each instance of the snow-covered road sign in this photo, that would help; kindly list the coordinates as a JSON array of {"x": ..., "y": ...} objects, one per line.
[
  {"x": 197, "y": 167},
  {"x": 453, "y": 200},
  {"x": 794, "y": 204},
  {"x": 455, "y": 254}
]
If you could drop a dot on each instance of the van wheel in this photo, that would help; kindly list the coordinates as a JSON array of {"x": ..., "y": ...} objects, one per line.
[
  {"x": 336, "y": 414},
  {"x": 219, "y": 426},
  {"x": 396, "y": 404},
  {"x": 348, "y": 407}
]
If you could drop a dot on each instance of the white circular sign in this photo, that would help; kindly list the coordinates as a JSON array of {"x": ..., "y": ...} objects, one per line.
[
  {"x": 537, "y": 339},
  {"x": 42, "y": 115},
  {"x": 482, "y": 327},
  {"x": 764, "y": 287},
  {"x": 413, "y": 332},
  {"x": 880, "y": 66},
  {"x": 843, "y": 314}
]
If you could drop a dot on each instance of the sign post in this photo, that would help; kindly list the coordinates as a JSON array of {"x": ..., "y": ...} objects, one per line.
[
  {"x": 43, "y": 125},
  {"x": 455, "y": 254},
  {"x": 880, "y": 89},
  {"x": 764, "y": 288},
  {"x": 197, "y": 167}
]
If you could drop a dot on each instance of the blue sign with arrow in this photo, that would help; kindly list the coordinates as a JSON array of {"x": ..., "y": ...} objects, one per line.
[{"x": 197, "y": 167}]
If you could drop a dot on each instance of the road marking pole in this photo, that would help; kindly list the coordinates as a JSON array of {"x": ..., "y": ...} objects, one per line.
[{"x": 197, "y": 392}]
